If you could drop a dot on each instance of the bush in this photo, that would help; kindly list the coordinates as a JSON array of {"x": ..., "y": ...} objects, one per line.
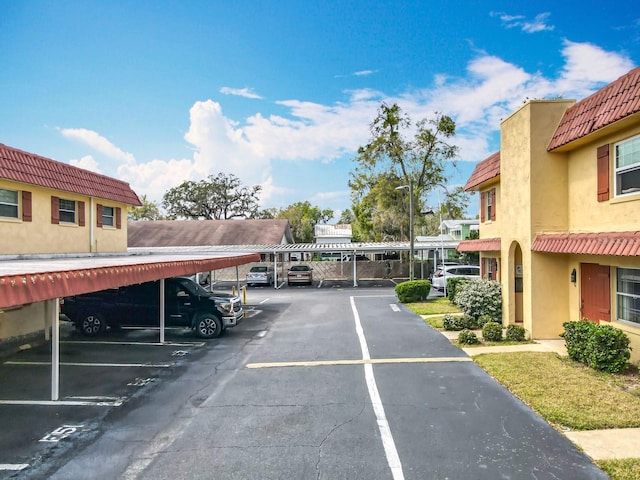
[
  {"x": 452, "y": 322},
  {"x": 601, "y": 347},
  {"x": 469, "y": 322},
  {"x": 467, "y": 337},
  {"x": 413, "y": 291},
  {"x": 492, "y": 332},
  {"x": 483, "y": 319},
  {"x": 515, "y": 333},
  {"x": 453, "y": 285},
  {"x": 480, "y": 297}
]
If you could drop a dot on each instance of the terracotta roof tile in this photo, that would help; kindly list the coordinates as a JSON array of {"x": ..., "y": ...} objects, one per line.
[
  {"x": 614, "y": 102},
  {"x": 485, "y": 170},
  {"x": 24, "y": 167},
  {"x": 622, "y": 244},
  {"x": 480, "y": 245}
]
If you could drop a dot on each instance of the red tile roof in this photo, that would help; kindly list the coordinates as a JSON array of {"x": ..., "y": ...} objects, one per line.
[
  {"x": 480, "y": 245},
  {"x": 625, "y": 244},
  {"x": 608, "y": 105},
  {"x": 24, "y": 167},
  {"x": 485, "y": 170}
]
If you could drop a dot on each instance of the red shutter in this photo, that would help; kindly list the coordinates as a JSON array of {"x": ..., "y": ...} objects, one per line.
[
  {"x": 26, "y": 206},
  {"x": 493, "y": 204},
  {"x": 118, "y": 217},
  {"x": 81, "y": 215},
  {"x": 603, "y": 173},
  {"x": 99, "y": 216},
  {"x": 494, "y": 269},
  {"x": 483, "y": 205},
  {"x": 55, "y": 210}
]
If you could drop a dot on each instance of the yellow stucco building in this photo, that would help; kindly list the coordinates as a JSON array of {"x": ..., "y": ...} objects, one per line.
[{"x": 560, "y": 212}]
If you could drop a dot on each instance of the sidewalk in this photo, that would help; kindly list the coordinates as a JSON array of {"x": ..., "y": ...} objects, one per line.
[{"x": 598, "y": 444}]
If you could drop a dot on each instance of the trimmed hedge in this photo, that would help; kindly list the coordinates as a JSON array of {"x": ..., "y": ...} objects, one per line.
[
  {"x": 492, "y": 332},
  {"x": 467, "y": 337},
  {"x": 515, "y": 333},
  {"x": 453, "y": 285},
  {"x": 413, "y": 291},
  {"x": 601, "y": 347}
]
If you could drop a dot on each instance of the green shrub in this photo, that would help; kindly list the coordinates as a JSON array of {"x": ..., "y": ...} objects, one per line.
[
  {"x": 467, "y": 337},
  {"x": 483, "y": 319},
  {"x": 452, "y": 322},
  {"x": 413, "y": 291},
  {"x": 492, "y": 332},
  {"x": 601, "y": 347},
  {"x": 469, "y": 322},
  {"x": 453, "y": 285},
  {"x": 480, "y": 297},
  {"x": 515, "y": 333}
]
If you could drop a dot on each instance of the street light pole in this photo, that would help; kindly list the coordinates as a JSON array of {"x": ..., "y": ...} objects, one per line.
[
  {"x": 411, "y": 222},
  {"x": 444, "y": 270}
]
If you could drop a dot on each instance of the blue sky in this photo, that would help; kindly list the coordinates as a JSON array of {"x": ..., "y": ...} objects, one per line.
[{"x": 281, "y": 93}]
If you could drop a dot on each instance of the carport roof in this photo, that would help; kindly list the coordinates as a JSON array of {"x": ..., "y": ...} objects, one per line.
[{"x": 24, "y": 281}]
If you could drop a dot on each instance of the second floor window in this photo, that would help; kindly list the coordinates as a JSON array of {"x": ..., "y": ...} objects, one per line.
[
  {"x": 488, "y": 205},
  {"x": 107, "y": 216},
  {"x": 67, "y": 211},
  {"x": 9, "y": 205},
  {"x": 627, "y": 164}
]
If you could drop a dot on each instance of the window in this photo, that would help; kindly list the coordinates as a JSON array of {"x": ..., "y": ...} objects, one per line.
[
  {"x": 67, "y": 209},
  {"x": 107, "y": 216},
  {"x": 488, "y": 205},
  {"x": 628, "y": 294},
  {"x": 627, "y": 164},
  {"x": 9, "y": 203}
]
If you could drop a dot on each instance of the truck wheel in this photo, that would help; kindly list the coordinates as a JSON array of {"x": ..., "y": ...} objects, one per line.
[
  {"x": 91, "y": 324},
  {"x": 208, "y": 326}
]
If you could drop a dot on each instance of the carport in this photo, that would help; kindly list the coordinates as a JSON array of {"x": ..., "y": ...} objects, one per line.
[{"x": 48, "y": 278}]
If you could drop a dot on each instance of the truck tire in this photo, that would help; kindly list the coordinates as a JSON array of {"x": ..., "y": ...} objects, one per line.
[
  {"x": 91, "y": 324},
  {"x": 208, "y": 326}
]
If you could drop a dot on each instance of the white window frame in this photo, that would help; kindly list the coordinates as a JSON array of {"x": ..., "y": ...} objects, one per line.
[
  {"x": 489, "y": 205},
  {"x": 5, "y": 203},
  {"x": 67, "y": 211},
  {"x": 108, "y": 220},
  {"x": 627, "y": 148},
  {"x": 628, "y": 297}
]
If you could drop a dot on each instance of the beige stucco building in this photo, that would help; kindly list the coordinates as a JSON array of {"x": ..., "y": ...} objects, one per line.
[{"x": 560, "y": 212}]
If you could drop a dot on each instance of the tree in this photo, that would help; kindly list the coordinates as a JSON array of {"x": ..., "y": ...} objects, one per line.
[
  {"x": 218, "y": 197},
  {"x": 420, "y": 160},
  {"x": 149, "y": 210},
  {"x": 347, "y": 217},
  {"x": 303, "y": 218}
]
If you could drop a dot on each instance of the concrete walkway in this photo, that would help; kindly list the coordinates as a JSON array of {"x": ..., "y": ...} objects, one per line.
[{"x": 610, "y": 444}]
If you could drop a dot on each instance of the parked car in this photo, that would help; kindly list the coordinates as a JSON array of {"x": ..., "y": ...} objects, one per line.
[
  {"x": 260, "y": 274},
  {"x": 300, "y": 274},
  {"x": 187, "y": 304},
  {"x": 359, "y": 258},
  {"x": 439, "y": 280}
]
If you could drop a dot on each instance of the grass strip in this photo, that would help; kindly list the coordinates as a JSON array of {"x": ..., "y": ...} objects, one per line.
[
  {"x": 626, "y": 469},
  {"x": 435, "y": 306},
  {"x": 564, "y": 392}
]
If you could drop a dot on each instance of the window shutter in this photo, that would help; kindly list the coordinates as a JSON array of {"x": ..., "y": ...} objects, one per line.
[
  {"x": 483, "y": 205},
  {"x": 55, "y": 210},
  {"x": 493, "y": 204},
  {"x": 81, "y": 215},
  {"x": 494, "y": 269},
  {"x": 603, "y": 173},
  {"x": 99, "y": 216},
  {"x": 118, "y": 217},
  {"x": 26, "y": 206}
]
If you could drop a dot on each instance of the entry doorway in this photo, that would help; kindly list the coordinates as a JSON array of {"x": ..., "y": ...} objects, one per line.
[{"x": 595, "y": 292}]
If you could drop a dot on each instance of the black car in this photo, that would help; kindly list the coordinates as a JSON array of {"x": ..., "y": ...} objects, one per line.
[{"x": 187, "y": 304}]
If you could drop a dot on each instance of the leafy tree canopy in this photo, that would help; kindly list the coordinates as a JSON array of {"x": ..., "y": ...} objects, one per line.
[
  {"x": 303, "y": 217},
  {"x": 149, "y": 210}
]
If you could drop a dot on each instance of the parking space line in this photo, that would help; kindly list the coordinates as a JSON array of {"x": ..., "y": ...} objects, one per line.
[
  {"x": 79, "y": 364},
  {"x": 13, "y": 467},
  {"x": 65, "y": 403},
  {"x": 366, "y": 361},
  {"x": 152, "y": 344}
]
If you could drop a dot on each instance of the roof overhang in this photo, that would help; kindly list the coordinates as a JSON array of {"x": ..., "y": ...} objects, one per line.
[
  {"x": 480, "y": 245},
  {"x": 39, "y": 279},
  {"x": 625, "y": 244}
]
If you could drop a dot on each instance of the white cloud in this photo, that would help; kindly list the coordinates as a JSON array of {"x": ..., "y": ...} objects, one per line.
[
  {"x": 87, "y": 162},
  {"x": 98, "y": 143},
  {"x": 241, "y": 92},
  {"x": 364, "y": 73},
  {"x": 538, "y": 24}
]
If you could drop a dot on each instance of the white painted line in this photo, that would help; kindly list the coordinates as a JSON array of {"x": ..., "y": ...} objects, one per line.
[
  {"x": 64, "y": 403},
  {"x": 393, "y": 459},
  {"x": 13, "y": 467},
  {"x": 264, "y": 301},
  {"x": 78, "y": 364},
  {"x": 394, "y": 307},
  {"x": 152, "y": 344}
]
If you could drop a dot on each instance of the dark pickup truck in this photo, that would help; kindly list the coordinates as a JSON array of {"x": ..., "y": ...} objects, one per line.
[{"x": 187, "y": 304}]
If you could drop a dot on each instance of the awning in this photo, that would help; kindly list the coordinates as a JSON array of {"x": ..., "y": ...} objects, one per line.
[
  {"x": 35, "y": 280},
  {"x": 480, "y": 245},
  {"x": 604, "y": 243}
]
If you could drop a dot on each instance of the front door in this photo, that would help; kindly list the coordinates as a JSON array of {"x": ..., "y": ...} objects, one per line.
[{"x": 595, "y": 291}]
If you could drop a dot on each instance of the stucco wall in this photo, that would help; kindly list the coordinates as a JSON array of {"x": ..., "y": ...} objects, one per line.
[
  {"x": 40, "y": 236},
  {"x": 22, "y": 321}
]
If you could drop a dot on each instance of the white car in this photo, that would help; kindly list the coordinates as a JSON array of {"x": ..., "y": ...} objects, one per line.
[
  {"x": 439, "y": 280},
  {"x": 260, "y": 275}
]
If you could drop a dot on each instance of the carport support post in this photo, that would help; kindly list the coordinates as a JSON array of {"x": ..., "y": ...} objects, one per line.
[
  {"x": 275, "y": 270},
  {"x": 162, "y": 295},
  {"x": 53, "y": 308},
  {"x": 355, "y": 271}
]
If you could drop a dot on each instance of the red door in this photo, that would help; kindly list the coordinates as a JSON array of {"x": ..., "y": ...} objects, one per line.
[{"x": 595, "y": 290}]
